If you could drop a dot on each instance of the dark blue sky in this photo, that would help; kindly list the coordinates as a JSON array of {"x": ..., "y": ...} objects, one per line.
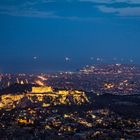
[{"x": 37, "y": 35}]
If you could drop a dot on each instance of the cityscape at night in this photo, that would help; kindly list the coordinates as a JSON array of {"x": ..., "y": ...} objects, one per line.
[{"x": 69, "y": 70}]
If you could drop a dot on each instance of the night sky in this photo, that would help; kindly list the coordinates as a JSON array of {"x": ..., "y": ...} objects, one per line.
[{"x": 53, "y": 35}]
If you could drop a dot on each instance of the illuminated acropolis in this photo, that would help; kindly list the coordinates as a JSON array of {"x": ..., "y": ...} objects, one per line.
[{"x": 45, "y": 96}]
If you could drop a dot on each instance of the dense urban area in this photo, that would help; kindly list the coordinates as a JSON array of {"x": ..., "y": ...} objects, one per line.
[{"x": 95, "y": 102}]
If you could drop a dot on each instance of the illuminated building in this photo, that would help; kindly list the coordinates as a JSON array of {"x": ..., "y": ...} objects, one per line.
[{"x": 41, "y": 89}]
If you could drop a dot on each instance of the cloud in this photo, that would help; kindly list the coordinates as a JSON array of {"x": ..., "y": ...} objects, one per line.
[
  {"x": 129, "y": 11},
  {"x": 70, "y": 9},
  {"x": 97, "y": 1},
  {"x": 112, "y": 1},
  {"x": 27, "y": 9},
  {"x": 31, "y": 9},
  {"x": 117, "y": 7}
]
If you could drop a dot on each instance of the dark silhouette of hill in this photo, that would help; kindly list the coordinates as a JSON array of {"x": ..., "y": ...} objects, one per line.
[{"x": 17, "y": 88}]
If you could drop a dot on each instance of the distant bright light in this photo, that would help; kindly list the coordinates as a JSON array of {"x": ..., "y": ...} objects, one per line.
[
  {"x": 67, "y": 58},
  {"x": 34, "y": 57},
  {"x": 131, "y": 61},
  {"x": 39, "y": 82},
  {"x": 42, "y": 78},
  {"x": 91, "y": 58},
  {"x": 118, "y": 65}
]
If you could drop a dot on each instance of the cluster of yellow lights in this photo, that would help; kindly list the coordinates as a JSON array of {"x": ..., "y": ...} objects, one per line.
[
  {"x": 40, "y": 80},
  {"x": 8, "y": 100},
  {"x": 40, "y": 83},
  {"x": 25, "y": 121},
  {"x": 42, "y": 89},
  {"x": 109, "y": 86}
]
